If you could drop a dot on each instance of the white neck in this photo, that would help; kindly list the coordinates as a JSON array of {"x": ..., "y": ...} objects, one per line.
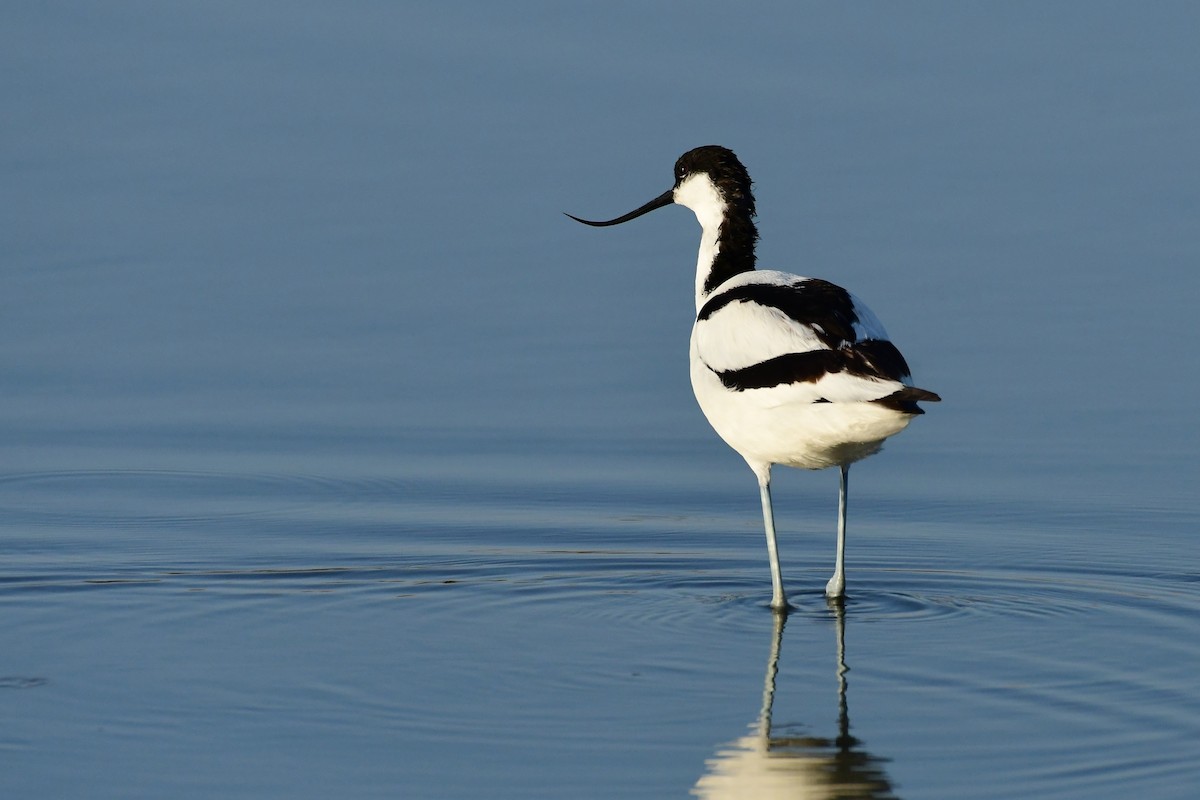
[{"x": 700, "y": 195}]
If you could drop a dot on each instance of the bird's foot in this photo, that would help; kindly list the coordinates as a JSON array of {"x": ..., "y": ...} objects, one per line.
[{"x": 779, "y": 603}]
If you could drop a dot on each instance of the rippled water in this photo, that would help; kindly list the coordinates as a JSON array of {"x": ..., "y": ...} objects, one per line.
[
  {"x": 334, "y": 462},
  {"x": 244, "y": 634}
]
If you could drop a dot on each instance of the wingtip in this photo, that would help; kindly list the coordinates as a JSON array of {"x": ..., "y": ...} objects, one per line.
[{"x": 905, "y": 400}]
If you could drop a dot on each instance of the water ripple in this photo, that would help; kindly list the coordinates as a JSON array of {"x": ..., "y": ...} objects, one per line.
[{"x": 663, "y": 585}]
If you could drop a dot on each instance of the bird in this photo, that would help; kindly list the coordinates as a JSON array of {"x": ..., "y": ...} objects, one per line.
[{"x": 788, "y": 370}]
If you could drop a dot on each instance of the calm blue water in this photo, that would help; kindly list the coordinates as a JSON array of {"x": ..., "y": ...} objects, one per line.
[{"x": 334, "y": 461}]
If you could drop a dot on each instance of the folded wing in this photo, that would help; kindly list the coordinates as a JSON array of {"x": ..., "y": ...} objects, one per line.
[{"x": 783, "y": 339}]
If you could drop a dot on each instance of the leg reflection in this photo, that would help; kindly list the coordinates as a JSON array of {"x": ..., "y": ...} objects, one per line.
[{"x": 772, "y": 763}]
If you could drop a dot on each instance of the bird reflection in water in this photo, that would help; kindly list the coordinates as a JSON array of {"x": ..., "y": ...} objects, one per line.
[{"x": 768, "y": 765}]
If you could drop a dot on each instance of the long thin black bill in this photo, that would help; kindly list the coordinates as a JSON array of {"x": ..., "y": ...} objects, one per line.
[{"x": 664, "y": 199}]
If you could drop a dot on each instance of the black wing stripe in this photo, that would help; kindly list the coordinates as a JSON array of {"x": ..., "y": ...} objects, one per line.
[
  {"x": 828, "y": 308},
  {"x": 807, "y": 367},
  {"x": 870, "y": 359}
]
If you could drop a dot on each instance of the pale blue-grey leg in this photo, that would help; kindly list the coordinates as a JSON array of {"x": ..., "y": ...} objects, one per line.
[
  {"x": 778, "y": 599},
  {"x": 837, "y": 584}
]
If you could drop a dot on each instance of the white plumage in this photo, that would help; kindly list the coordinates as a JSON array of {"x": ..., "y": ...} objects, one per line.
[{"x": 788, "y": 370}]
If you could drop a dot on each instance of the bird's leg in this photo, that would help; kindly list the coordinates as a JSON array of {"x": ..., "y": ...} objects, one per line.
[
  {"x": 837, "y": 584},
  {"x": 778, "y": 599}
]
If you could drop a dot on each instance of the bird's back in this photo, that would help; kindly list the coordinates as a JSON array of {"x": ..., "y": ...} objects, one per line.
[{"x": 798, "y": 371}]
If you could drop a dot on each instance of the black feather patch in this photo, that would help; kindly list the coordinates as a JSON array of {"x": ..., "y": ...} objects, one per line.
[{"x": 884, "y": 358}]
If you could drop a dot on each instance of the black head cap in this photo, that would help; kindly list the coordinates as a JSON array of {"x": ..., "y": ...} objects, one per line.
[{"x": 725, "y": 170}]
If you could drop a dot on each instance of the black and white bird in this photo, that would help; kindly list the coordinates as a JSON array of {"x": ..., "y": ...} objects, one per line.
[{"x": 788, "y": 370}]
